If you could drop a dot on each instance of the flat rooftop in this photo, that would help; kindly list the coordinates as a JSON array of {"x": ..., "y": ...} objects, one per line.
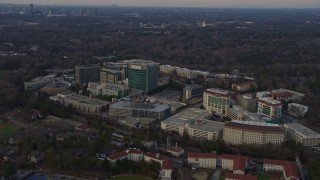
[
  {"x": 206, "y": 125},
  {"x": 86, "y": 100},
  {"x": 132, "y": 105},
  {"x": 217, "y": 91},
  {"x": 188, "y": 115},
  {"x": 254, "y": 126},
  {"x": 269, "y": 101},
  {"x": 302, "y": 130}
]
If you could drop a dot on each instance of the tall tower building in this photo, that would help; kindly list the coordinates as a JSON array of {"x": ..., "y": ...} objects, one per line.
[
  {"x": 87, "y": 73},
  {"x": 109, "y": 76},
  {"x": 31, "y": 8},
  {"x": 143, "y": 75}
]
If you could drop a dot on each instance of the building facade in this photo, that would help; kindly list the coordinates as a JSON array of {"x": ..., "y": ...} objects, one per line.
[
  {"x": 288, "y": 168},
  {"x": 243, "y": 132},
  {"x": 192, "y": 90},
  {"x": 143, "y": 75},
  {"x": 110, "y": 76},
  {"x": 297, "y": 109},
  {"x": 302, "y": 134},
  {"x": 117, "y": 90},
  {"x": 247, "y": 102},
  {"x": 87, "y": 73},
  {"x": 269, "y": 108},
  {"x": 202, "y": 160},
  {"x": 216, "y": 100}
]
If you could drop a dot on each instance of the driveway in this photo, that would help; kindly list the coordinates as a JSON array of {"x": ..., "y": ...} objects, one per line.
[{"x": 216, "y": 174}]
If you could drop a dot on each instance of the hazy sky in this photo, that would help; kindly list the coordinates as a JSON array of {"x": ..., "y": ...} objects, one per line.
[{"x": 182, "y": 3}]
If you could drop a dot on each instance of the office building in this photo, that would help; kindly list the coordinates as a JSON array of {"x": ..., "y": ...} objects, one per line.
[
  {"x": 244, "y": 86},
  {"x": 287, "y": 95},
  {"x": 110, "y": 76},
  {"x": 288, "y": 168},
  {"x": 269, "y": 108},
  {"x": 297, "y": 109},
  {"x": 87, "y": 73},
  {"x": 247, "y": 102},
  {"x": 31, "y": 9},
  {"x": 39, "y": 82},
  {"x": 194, "y": 123},
  {"x": 249, "y": 132},
  {"x": 121, "y": 66},
  {"x": 202, "y": 160},
  {"x": 216, "y": 100},
  {"x": 193, "y": 90},
  {"x": 81, "y": 103},
  {"x": 117, "y": 90},
  {"x": 143, "y": 75},
  {"x": 142, "y": 109},
  {"x": 302, "y": 134}
]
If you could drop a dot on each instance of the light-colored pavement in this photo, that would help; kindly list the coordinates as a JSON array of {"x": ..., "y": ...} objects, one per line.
[{"x": 216, "y": 174}]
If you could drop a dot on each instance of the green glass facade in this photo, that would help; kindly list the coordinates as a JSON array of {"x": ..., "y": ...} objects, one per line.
[{"x": 145, "y": 79}]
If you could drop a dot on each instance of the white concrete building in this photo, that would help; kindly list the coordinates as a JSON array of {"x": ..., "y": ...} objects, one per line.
[
  {"x": 269, "y": 108},
  {"x": 302, "y": 134},
  {"x": 297, "y": 109},
  {"x": 216, "y": 100},
  {"x": 202, "y": 160}
]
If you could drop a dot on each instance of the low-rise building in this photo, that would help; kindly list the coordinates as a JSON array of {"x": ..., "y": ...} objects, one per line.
[
  {"x": 192, "y": 90},
  {"x": 262, "y": 94},
  {"x": 118, "y": 90},
  {"x": 287, "y": 95},
  {"x": 130, "y": 154},
  {"x": 175, "y": 151},
  {"x": 244, "y": 86},
  {"x": 235, "y": 163},
  {"x": 288, "y": 168},
  {"x": 297, "y": 109},
  {"x": 165, "y": 164},
  {"x": 249, "y": 132},
  {"x": 202, "y": 160},
  {"x": 124, "y": 109},
  {"x": 81, "y": 103},
  {"x": 38, "y": 82},
  {"x": 168, "y": 69},
  {"x": 194, "y": 123},
  {"x": 302, "y": 134},
  {"x": 231, "y": 176}
]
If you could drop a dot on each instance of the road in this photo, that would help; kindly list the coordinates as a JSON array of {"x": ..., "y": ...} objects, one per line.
[{"x": 216, "y": 174}]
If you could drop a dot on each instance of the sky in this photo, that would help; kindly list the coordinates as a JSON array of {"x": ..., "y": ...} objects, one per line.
[{"x": 182, "y": 3}]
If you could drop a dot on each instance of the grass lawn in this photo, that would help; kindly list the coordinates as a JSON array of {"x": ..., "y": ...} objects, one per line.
[
  {"x": 128, "y": 178},
  {"x": 6, "y": 129},
  {"x": 262, "y": 177},
  {"x": 200, "y": 176},
  {"x": 3, "y": 73}
]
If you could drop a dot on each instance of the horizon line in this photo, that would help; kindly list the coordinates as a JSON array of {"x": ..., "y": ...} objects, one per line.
[{"x": 164, "y": 6}]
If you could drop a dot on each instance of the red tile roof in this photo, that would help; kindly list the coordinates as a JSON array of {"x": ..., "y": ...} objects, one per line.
[
  {"x": 290, "y": 167},
  {"x": 251, "y": 127},
  {"x": 156, "y": 156},
  {"x": 239, "y": 162},
  {"x": 166, "y": 164},
  {"x": 123, "y": 153},
  {"x": 135, "y": 151},
  {"x": 117, "y": 155},
  {"x": 240, "y": 176},
  {"x": 269, "y": 104},
  {"x": 201, "y": 155}
]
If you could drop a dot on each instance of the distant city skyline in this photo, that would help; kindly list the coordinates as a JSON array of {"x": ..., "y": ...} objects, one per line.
[{"x": 182, "y": 3}]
